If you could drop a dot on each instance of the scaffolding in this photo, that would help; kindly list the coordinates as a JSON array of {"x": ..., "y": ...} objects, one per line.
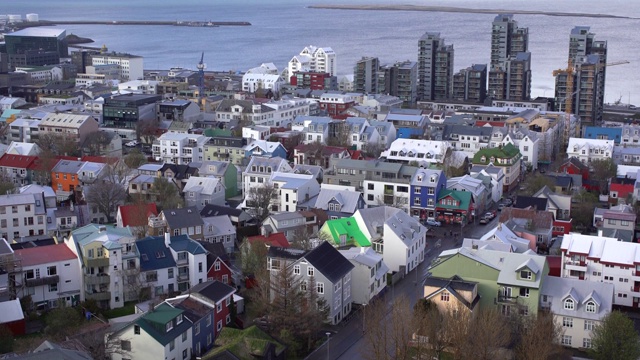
[{"x": 11, "y": 265}]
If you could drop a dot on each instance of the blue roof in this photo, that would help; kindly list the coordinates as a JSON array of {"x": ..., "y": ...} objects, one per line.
[
  {"x": 184, "y": 243},
  {"x": 154, "y": 254}
]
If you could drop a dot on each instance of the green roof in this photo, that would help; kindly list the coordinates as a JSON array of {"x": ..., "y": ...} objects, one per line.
[
  {"x": 162, "y": 314},
  {"x": 217, "y": 132},
  {"x": 244, "y": 344},
  {"x": 505, "y": 152},
  {"x": 348, "y": 227},
  {"x": 463, "y": 197}
]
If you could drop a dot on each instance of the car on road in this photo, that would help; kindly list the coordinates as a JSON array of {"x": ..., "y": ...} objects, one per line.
[
  {"x": 433, "y": 222},
  {"x": 490, "y": 215},
  {"x": 132, "y": 143}
]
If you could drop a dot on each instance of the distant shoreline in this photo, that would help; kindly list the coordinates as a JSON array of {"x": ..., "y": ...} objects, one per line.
[{"x": 463, "y": 10}]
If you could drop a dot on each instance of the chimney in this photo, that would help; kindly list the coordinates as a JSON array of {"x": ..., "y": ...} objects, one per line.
[
  {"x": 599, "y": 232},
  {"x": 167, "y": 239},
  {"x": 102, "y": 228},
  {"x": 363, "y": 250}
]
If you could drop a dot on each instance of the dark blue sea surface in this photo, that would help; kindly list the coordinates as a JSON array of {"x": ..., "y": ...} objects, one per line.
[{"x": 281, "y": 28}]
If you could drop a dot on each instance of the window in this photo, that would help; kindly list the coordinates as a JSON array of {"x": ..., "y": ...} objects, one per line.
[
  {"x": 566, "y": 340},
  {"x": 417, "y": 190},
  {"x": 196, "y": 329},
  {"x": 216, "y": 265},
  {"x": 525, "y": 274},
  {"x": 53, "y": 287},
  {"x": 51, "y": 271},
  {"x": 184, "y": 336},
  {"x": 172, "y": 345},
  {"x": 209, "y": 340},
  {"x": 125, "y": 345},
  {"x": 444, "y": 296},
  {"x": 185, "y": 353},
  {"x": 219, "y": 307},
  {"x": 296, "y": 269},
  {"x": 310, "y": 271},
  {"x": 320, "y": 288},
  {"x": 370, "y": 186},
  {"x": 219, "y": 325},
  {"x": 209, "y": 320},
  {"x": 589, "y": 324},
  {"x": 228, "y": 319},
  {"x": 524, "y": 292},
  {"x": 136, "y": 329},
  {"x": 303, "y": 286},
  {"x": 169, "y": 326},
  {"x": 586, "y": 343},
  {"x": 170, "y": 273},
  {"x": 199, "y": 267},
  {"x": 567, "y": 322},
  {"x": 569, "y": 304}
]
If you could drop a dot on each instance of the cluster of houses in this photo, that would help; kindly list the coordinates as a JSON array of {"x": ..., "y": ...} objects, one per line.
[{"x": 356, "y": 179}]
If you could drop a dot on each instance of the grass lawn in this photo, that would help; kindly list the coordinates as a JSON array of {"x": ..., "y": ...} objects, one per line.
[{"x": 127, "y": 309}]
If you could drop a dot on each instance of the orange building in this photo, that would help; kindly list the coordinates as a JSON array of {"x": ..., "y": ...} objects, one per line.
[{"x": 68, "y": 175}]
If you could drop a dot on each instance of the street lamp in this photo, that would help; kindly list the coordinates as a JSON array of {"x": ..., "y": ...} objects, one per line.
[{"x": 328, "y": 338}]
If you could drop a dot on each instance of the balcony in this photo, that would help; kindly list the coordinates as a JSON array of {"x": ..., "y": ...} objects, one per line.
[
  {"x": 99, "y": 279},
  {"x": 575, "y": 265},
  {"x": 96, "y": 262},
  {"x": 43, "y": 281},
  {"x": 182, "y": 261},
  {"x": 504, "y": 299},
  {"x": 98, "y": 296},
  {"x": 182, "y": 277},
  {"x": 156, "y": 222}
]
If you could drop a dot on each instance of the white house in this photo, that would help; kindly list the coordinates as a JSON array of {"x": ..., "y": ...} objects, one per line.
[
  {"x": 220, "y": 229},
  {"x": 369, "y": 274},
  {"x": 497, "y": 178},
  {"x": 265, "y": 76},
  {"x": 178, "y": 148},
  {"x": 130, "y": 67},
  {"x": 400, "y": 238},
  {"x": 587, "y": 150},
  {"x": 259, "y": 170},
  {"x": 315, "y": 128},
  {"x": 41, "y": 74},
  {"x": 387, "y": 132},
  {"x": 164, "y": 333},
  {"x": 49, "y": 274},
  {"x": 577, "y": 307},
  {"x": 602, "y": 259},
  {"x": 312, "y": 58},
  {"x": 138, "y": 87},
  {"x": 528, "y": 144},
  {"x": 361, "y": 133},
  {"x": 256, "y": 132},
  {"x": 422, "y": 152},
  {"x": 22, "y": 215},
  {"x": 293, "y": 189}
]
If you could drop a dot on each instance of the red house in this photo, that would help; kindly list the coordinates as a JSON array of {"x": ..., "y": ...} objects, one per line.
[
  {"x": 574, "y": 166},
  {"x": 275, "y": 239},
  {"x": 11, "y": 316},
  {"x": 220, "y": 294},
  {"x": 620, "y": 189},
  {"x": 218, "y": 263}
]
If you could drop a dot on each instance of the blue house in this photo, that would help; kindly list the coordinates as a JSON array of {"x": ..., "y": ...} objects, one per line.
[
  {"x": 265, "y": 148},
  {"x": 426, "y": 186},
  {"x": 409, "y": 123},
  {"x": 604, "y": 133}
]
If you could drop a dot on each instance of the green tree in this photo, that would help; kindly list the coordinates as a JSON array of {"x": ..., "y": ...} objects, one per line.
[
  {"x": 6, "y": 186},
  {"x": 135, "y": 159},
  {"x": 534, "y": 183},
  {"x": 603, "y": 171},
  {"x": 62, "y": 322},
  {"x": 615, "y": 338},
  {"x": 582, "y": 209},
  {"x": 166, "y": 192}
]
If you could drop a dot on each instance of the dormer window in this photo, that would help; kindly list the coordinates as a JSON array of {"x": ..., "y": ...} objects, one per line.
[
  {"x": 179, "y": 319},
  {"x": 569, "y": 304},
  {"x": 590, "y": 307},
  {"x": 483, "y": 158},
  {"x": 525, "y": 274},
  {"x": 433, "y": 179},
  {"x": 169, "y": 326}
]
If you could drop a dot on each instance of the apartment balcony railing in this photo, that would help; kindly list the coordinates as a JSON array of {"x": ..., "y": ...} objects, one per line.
[
  {"x": 182, "y": 261},
  {"x": 99, "y": 279},
  {"x": 98, "y": 296},
  {"x": 504, "y": 299},
  {"x": 96, "y": 262},
  {"x": 183, "y": 277},
  {"x": 47, "y": 280}
]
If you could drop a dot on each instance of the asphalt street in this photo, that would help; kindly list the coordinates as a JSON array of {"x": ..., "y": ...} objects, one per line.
[{"x": 346, "y": 340}]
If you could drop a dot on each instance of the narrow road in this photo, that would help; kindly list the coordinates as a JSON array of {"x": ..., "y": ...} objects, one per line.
[{"x": 346, "y": 341}]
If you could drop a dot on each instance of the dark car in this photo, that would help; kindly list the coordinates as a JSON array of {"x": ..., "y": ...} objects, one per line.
[{"x": 484, "y": 221}]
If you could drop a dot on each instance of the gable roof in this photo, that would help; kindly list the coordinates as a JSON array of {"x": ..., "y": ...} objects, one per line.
[
  {"x": 349, "y": 228},
  {"x": 130, "y": 213},
  {"x": 41, "y": 255},
  {"x": 185, "y": 243},
  {"x": 154, "y": 254},
  {"x": 539, "y": 219},
  {"x": 464, "y": 199},
  {"x": 182, "y": 217},
  {"x": 454, "y": 286},
  {"x": 153, "y": 323},
  {"x": 525, "y": 202},
  {"x": 215, "y": 290},
  {"x": 17, "y": 161},
  {"x": 202, "y": 185},
  {"x": 557, "y": 289},
  {"x": 328, "y": 261},
  {"x": 210, "y": 210},
  {"x": 275, "y": 239},
  {"x": 507, "y": 151}
]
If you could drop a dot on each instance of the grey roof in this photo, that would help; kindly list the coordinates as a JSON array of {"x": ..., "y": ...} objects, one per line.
[
  {"x": 154, "y": 254},
  {"x": 454, "y": 286},
  {"x": 39, "y": 31},
  {"x": 181, "y": 243},
  {"x": 4, "y": 247},
  {"x": 422, "y": 177},
  {"x": 68, "y": 166},
  {"x": 49, "y": 351},
  {"x": 347, "y": 199},
  {"x": 557, "y": 289},
  {"x": 182, "y": 218},
  {"x": 314, "y": 170},
  {"x": 328, "y": 261},
  {"x": 465, "y": 130},
  {"x": 220, "y": 225},
  {"x": 213, "y": 290}
]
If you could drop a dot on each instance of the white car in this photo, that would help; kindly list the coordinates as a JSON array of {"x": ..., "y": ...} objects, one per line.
[
  {"x": 132, "y": 143},
  {"x": 433, "y": 222}
]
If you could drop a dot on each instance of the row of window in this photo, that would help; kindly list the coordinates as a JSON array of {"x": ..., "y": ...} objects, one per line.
[{"x": 586, "y": 342}]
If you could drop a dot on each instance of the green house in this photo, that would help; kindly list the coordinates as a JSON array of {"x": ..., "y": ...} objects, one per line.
[
  {"x": 344, "y": 232},
  {"x": 510, "y": 282}
]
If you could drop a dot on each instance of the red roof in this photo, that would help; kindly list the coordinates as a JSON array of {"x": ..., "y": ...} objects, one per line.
[
  {"x": 481, "y": 123},
  {"x": 622, "y": 189},
  {"x": 100, "y": 159},
  {"x": 127, "y": 214},
  {"x": 17, "y": 161},
  {"x": 45, "y": 254},
  {"x": 276, "y": 239}
]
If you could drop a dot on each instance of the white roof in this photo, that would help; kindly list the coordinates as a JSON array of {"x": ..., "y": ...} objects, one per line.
[
  {"x": 201, "y": 185},
  {"x": 22, "y": 148},
  {"x": 220, "y": 225},
  {"x": 558, "y": 289},
  {"x": 416, "y": 149},
  {"x": 502, "y": 234},
  {"x": 66, "y": 120},
  {"x": 366, "y": 256},
  {"x": 347, "y": 199},
  {"x": 267, "y": 146},
  {"x": 10, "y": 311},
  {"x": 579, "y": 143},
  {"x": 38, "y": 189},
  {"x": 605, "y": 249},
  {"x": 40, "y": 31}
]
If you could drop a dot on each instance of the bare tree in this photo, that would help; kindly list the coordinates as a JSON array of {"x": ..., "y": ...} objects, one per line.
[
  {"x": 390, "y": 331},
  {"x": 147, "y": 130},
  {"x": 139, "y": 217},
  {"x": 300, "y": 239},
  {"x": 260, "y": 198},
  {"x": 374, "y": 149},
  {"x": 393, "y": 200},
  {"x": 6, "y": 185},
  {"x": 166, "y": 193},
  {"x": 58, "y": 144},
  {"x": 96, "y": 143},
  {"x": 539, "y": 338},
  {"x": 536, "y": 182},
  {"x": 340, "y": 135},
  {"x": 603, "y": 171},
  {"x": 135, "y": 159},
  {"x": 105, "y": 196},
  {"x": 486, "y": 337}
]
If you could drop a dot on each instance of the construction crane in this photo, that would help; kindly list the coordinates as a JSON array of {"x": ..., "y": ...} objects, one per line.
[
  {"x": 201, "y": 66},
  {"x": 569, "y": 93}
]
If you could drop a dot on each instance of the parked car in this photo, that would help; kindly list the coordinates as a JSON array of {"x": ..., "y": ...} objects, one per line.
[
  {"x": 490, "y": 215},
  {"x": 433, "y": 222},
  {"x": 484, "y": 220},
  {"x": 501, "y": 206},
  {"x": 132, "y": 143}
]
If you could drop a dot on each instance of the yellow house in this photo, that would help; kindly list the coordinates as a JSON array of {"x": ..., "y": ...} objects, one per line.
[{"x": 451, "y": 294}]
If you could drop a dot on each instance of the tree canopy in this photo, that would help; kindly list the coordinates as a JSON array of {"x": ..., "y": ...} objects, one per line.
[{"x": 615, "y": 338}]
